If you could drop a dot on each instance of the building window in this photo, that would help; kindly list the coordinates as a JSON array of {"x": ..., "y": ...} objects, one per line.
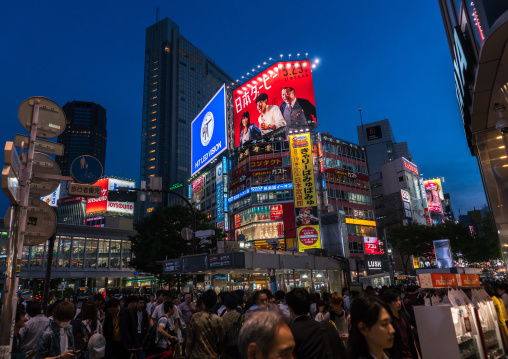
[
  {"x": 115, "y": 253},
  {"x": 91, "y": 253},
  {"x": 103, "y": 253},
  {"x": 78, "y": 252},
  {"x": 65, "y": 252},
  {"x": 36, "y": 255},
  {"x": 149, "y": 210},
  {"x": 126, "y": 254}
]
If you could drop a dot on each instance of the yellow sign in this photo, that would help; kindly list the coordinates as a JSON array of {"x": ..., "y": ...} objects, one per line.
[
  {"x": 303, "y": 171},
  {"x": 360, "y": 222},
  {"x": 308, "y": 237}
]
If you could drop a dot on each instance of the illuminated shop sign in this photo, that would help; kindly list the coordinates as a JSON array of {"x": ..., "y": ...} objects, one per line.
[
  {"x": 274, "y": 162},
  {"x": 346, "y": 173},
  {"x": 258, "y": 214},
  {"x": 261, "y": 189},
  {"x": 410, "y": 166}
]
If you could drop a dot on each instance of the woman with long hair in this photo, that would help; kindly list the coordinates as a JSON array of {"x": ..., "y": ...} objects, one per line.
[
  {"x": 88, "y": 316},
  {"x": 371, "y": 328},
  {"x": 248, "y": 132}
]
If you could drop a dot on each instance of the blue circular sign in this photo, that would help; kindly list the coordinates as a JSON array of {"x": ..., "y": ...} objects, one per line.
[{"x": 86, "y": 169}]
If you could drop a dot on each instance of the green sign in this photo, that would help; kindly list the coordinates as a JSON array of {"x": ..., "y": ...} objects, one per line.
[{"x": 175, "y": 186}]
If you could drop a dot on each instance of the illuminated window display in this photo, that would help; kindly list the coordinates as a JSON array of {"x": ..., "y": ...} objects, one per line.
[{"x": 261, "y": 231}]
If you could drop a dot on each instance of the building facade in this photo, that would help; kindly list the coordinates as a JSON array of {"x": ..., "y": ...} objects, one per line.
[
  {"x": 379, "y": 142},
  {"x": 179, "y": 80},
  {"x": 83, "y": 256},
  {"x": 85, "y": 134},
  {"x": 477, "y": 34}
]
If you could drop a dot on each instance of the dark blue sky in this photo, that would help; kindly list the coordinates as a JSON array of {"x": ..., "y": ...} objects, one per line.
[{"x": 391, "y": 58}]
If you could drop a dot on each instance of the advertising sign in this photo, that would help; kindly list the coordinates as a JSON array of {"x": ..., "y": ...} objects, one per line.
[
  {"x": 69, "y": 200},
  {"x": 304, "y": 187},
  {"x": 219, "y": 193},
  {"x": 208, "y": 132},
  {"x": 469, "y": 280},
  {"x": 223, "y": 260},
  {"x": 434, "y": 194},
  {"x": 120, "y": 207},
  {"x": 282, "y": 95},
  {"x": 438, "y": 280},
  {"x": 410, "y": 166},
  {"x": 100, "y": 204},
  {"x": 373, "y": 133},
  {"x": 308, "y": 237},
  {"x": 171, "y": 266},
  {"x": 197, "y": 189},
  {"x": 53, "y": 198},
  {"x": 373, "y": 245},
  {"x": 274, "y": 162},
  {"x": 406, "y": 202},
  {"x": 443, "y": 253}
]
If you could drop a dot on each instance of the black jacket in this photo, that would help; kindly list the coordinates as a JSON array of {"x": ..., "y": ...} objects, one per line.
[
  {"x": 395, "y": 352},
  {"x": 128, "y": 330},
  {"x": 310, "y": 339},
  {"x": 145, "y": 322},
  {"x": 308, "y": 108}
]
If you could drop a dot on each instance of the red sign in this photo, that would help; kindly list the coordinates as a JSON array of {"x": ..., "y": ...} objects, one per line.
[
  {"x": 197, "y": 189},
  {"x": 444, "y": 280},
  {"x": 373, "y": 245},
  {"x": 427, "y": 217},
  {"x": 238, "y": 220},
  {"x": 281, "y": 84},
  {"x": 100, "y": 204},
  {"x": 308, "y": 236},
  {"x": 275, "y": 212},
  {"x": 410, "y": 166},
  {"x": 68, "y": 200},
  {"x": 238, "y": 172},
  {"x": 273, "y": 162},
  {"x": 469, "y": 280}
]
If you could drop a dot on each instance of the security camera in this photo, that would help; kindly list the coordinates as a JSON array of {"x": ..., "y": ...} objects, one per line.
[{"x": 502, "y": 125}]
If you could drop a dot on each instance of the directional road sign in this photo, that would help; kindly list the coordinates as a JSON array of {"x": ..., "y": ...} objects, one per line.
[
  {"x": 51, "y": 120},
  {"x": 186, "y": 233},
  {"x": 43, "y": 164},
  {"x": 53, "y": 148},
  {"x": 205, "y": 234},
  {"x": 10, "y": 184},
  {"x": 86, "y": 169},
  {"x": 84, "y": 190},
  {"x": 11, "y": 157},
  {"x": 40, "y": 222}
]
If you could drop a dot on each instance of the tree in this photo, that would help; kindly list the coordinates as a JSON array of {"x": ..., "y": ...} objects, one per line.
[
  {"x": 410, "y": 240},
  {"x": 158, "y": 238}
]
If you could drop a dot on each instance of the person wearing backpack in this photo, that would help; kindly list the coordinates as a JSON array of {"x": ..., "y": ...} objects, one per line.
[
  {"x": 166, "y": 338},
  {"x": 313, "y": 340},
  {"x": 232, "y": 322}
]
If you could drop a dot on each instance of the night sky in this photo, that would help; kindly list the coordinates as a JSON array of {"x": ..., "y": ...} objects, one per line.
[{"x": 390, "y": 58}]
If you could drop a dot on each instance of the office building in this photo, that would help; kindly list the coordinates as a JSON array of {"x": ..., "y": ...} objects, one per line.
[
  {"x": 379, "y": 142},
  {"x": 85, "y": 133},
  {"x": 477, "y": 34},
  {"x": 179, "y": 80}
]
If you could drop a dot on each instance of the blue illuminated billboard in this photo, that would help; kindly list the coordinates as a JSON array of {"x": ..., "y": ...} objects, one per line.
[
  {"x": 208, "y": 132},
  {"x": 274, "y": 187}
]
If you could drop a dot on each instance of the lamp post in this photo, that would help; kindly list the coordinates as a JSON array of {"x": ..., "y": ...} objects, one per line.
[{"x": 286, "y": 231}]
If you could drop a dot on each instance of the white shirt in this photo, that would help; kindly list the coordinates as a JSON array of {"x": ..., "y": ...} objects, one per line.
[
  {"x": 149, "y": 306},
  {"x": 63, "y": 341},
  {"x": 272, "y": 117},
  {"x": 159, "y": 312}
]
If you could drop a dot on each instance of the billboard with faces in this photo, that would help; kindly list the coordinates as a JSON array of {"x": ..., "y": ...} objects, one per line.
[
  {"x": 282, "y": 95},
  {"x": 434, "y": 194}
]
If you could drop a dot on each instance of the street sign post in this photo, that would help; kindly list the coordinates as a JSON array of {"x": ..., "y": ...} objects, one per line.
[
  {"x": 45, "y": 165},
  {"x": 41, "y": 222},
  {"x": 53, "y": 148},
  {"x": 86, "y": 169},
  {"x": 186, "y": 233},
  {"x": 44, "y": 118},
  {"x": 84, "y": 190},
  {"x": 10, "y": 184}
]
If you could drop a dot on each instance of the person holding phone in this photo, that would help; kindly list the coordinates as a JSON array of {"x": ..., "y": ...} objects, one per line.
[{"x": 57, "y": 341}]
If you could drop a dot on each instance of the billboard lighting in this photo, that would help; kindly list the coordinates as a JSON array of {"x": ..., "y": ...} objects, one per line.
[
  {"x": 297, "y": 56},
  {"x": 280, "y": 57},
  {"x": 289, "y": 57},
  {"x": 316, "y": 61},
  {"x": 313, "y": 66}
]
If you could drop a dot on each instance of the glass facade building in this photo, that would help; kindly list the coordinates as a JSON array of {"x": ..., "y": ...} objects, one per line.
[
  {"x": 179, "y": 80},
  {"x": 81, "y": 253},
  {"x": 85, "y": 133}
]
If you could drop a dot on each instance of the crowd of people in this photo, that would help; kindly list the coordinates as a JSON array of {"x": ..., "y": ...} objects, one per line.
[
  {"x": 298, "y": 324},
  {"x": 376, "y": 324}
]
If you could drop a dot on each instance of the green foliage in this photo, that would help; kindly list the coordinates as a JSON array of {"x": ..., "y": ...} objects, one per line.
[
  {"x": 158, "y": 238},
  {"x": 416, "y": 240}
]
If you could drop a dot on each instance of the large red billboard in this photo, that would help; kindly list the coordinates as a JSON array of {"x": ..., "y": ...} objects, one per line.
[
  {"x": 100, "y": 204},
  {"x": 282, "y": 95}
]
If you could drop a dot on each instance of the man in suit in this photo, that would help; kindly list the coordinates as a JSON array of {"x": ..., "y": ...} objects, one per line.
[
  {"x": 119, "y": 331},
  {"x": 141, "y": 318},
  {"x": 313, "y": 340},
  {"x": 296, "y": 111}
]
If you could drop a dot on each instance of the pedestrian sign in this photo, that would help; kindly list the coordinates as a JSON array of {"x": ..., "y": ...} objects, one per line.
[{"x": 86, "y": 169}]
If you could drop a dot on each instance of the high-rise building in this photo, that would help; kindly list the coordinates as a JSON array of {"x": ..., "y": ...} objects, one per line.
[
  {"x": 379, "y": 141},
  {"x": 179, "y": 80},
  {"x": 477, "y": 33},
  {"x": 85, "y": 133}
]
